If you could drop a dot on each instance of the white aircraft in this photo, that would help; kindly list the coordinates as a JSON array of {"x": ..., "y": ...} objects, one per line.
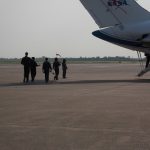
[{"x": 121, "y": 22}]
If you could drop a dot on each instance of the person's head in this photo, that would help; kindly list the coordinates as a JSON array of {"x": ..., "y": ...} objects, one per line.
[
  {"x": 26, "y": 53},
  {"x": 64, "y": 60},
  {"x": 33, "y": 58},
  {"x": 46, "y": 59},
  {"x": 56, "y": 59}
]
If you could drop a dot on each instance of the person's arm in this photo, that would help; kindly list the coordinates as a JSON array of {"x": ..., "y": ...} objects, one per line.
[
  {"x": 36, "y": 64},
  {"x": 50, "y": 67},
  {"x": 22, "y": 61},
  {"x": 43, "y": 68},
  {"x": 53, "y": 65}
]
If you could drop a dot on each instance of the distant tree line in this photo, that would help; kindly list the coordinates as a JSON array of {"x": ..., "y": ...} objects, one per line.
[{"x": 106, "y": 59}]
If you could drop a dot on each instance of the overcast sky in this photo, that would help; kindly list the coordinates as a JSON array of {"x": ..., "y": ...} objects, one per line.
[{"x": 47, "y": 27}]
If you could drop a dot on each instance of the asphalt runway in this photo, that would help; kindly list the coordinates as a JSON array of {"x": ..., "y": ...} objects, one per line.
[{"x": 98, "y": 107}]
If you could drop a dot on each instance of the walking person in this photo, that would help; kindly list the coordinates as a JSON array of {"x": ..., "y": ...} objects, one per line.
[
  {"x": 33, "y": 66},
  {"x": 64, "y": 68},
  {"x": 26, "y": 63},
  {"x": 56, "y": 65},
  {"x": 46, "y": 69}
]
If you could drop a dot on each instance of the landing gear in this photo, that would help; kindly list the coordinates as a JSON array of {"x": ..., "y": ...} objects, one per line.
[
  {"x": 147, "y": 60},
  {"x": 147, "y": 67}
]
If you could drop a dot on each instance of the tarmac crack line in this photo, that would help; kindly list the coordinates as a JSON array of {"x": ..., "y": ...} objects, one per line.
[{"x": 130, "y": 131}]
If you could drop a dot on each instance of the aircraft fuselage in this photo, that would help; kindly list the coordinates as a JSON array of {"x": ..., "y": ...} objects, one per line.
[{"x": 132, "y": 36}]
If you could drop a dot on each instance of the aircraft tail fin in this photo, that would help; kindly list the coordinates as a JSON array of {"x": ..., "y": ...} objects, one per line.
[{"x": 115, "y": 12}]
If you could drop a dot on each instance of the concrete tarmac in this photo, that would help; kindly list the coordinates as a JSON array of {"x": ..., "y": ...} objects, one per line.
[{"x": 98, "y": 107}]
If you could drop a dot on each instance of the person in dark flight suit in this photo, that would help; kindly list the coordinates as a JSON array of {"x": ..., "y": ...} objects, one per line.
[
  {"x": 64, "y": 68},
  {"x": 56, "y": 65},
  {"x": 46, "y": 69},
  {"x": 26, "y": 63},
  {"x": 33, "y": 66}
]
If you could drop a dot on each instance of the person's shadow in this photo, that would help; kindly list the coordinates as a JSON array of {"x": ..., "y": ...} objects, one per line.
[{"x": 41, "y": 82}]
